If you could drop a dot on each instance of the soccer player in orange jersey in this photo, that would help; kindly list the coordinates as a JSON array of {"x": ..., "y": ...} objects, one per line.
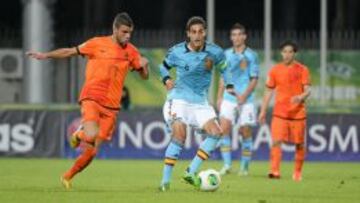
[
  {"x": 110, "y": 58},
  {"x": 290, "y": 81}
]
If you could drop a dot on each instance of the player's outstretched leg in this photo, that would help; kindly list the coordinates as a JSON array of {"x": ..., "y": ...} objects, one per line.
[
  {"x": 171, "y": 156},
  {"x": 299, "y": 161},
  {"x": 275, "y": 160},
  {"x": 203, "y": 153},
  {"x": 178, "y": 131},
  {"x": 89, "y": 136},
  {"x": 246, "y": 150},
  {"x": 225, "y": 149},
  {"x": 78, "y": 136},
  {"x": 225, "y": 143},
  {"x": 246, "y": 156},
  {"x": 83, "y": 160}
]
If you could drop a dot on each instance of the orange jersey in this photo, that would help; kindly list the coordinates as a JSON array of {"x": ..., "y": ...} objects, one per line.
[
  {"x": 288, "y": 81},
  {"x": 106, "y": 70}
]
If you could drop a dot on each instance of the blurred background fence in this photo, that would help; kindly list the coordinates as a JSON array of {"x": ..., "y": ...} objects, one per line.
[
  {"x": 343, "y": 85},
  {"x": 309, "y": 39}
]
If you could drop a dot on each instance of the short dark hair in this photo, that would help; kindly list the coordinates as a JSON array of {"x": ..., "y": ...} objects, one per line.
[
  {"x": 123, "y": 19},
  {"x": 238, "y": 26},
  {"x": 195, "y": 20},
  {"x": 289, "y": 43}
]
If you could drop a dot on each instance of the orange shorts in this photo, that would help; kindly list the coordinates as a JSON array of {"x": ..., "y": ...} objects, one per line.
[
  {"x": 289, "y": 131},
  {"x": 105, "y": 117}
]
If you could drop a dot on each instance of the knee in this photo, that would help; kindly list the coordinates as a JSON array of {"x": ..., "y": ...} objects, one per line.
[
  {"x": 91, "y": 129},
  {"x": 225, "y": 131},
  {"x": 245, "y": 131},
  {"x": 225, "y": 126},
  {"x": 91, "y": 132},
  {"x": 179, "y": 139},
  {"x": 179, "y": 136},
  {"x": 216, "y": 131}
]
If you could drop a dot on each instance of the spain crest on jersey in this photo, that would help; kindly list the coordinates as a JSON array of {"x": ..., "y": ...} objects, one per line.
[
  {"x": 243, "y": 64},
  {"x": 208, "y": 63}
]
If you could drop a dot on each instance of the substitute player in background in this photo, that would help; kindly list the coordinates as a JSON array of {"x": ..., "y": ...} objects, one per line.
[
  {"x": 110, "y": 58},
  {"x": 187, "y": 104},
  {"x": 243, "y": 66},
  {"x": 290, "y": 81}
]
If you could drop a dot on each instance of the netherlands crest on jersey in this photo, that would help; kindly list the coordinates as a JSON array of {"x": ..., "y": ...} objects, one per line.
[
  {"x": 208, "y": 63},
  {"x": 126, "y": 55}
]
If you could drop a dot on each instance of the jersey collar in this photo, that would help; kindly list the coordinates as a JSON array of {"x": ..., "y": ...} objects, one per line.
[
  {"x": 188, "y": 50},
  {"x": 243, "y": 51}
]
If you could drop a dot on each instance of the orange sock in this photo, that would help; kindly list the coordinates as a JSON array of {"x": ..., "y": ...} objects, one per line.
[
  {"x": 299, "y": 158},
  {"x": 81, "y": 162},
  {"x": 275, "y": 159}
]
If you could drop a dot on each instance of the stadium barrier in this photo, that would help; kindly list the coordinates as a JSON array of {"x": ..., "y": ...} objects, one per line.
[
  {"x": 31, "y": 133},
  {"x": 140, "y": 134}
]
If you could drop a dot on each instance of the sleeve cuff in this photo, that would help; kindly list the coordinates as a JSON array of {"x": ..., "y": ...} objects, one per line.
[
  {"x": 78, "y": 51},
  {"x": 165, "y": 79},
  {"x": 166, "y": 65},
  {"x": 229, "y": 86},
  {"x": 269, "y": 86}
]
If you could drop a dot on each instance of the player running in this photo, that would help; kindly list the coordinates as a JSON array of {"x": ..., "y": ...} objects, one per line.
[
  {"x": 110, "y": 58},
  {"x": 290, "y": 81},
  {"x": 186, "y": 104},
  {"x": 243, "y": 66}
]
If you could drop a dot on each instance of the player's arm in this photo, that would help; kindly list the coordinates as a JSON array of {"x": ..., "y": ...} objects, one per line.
[
  {"x": 265, "y": 104},
  {"x": 250, "y": 88},
  {"x": 302, "y": 97},
  {"x": 144, "y": 70},
  {"x": 168, "y": 63},
  {"x": 306, "y": 87},
  {"x": 55, "y": 54},
  {"x": 270, "y": 86},
  {"x": 139, "y": 63},
  {"x": 165, "y": 75},
  {"x": 307, "y": 92},
  {"x": 222, "y": 65},
  {"x": 254, "y": 75},
  {"x": 220, "y": 93}
]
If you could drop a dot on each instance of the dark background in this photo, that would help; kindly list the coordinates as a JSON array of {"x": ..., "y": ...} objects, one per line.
[{"x": 298, "y": 15}]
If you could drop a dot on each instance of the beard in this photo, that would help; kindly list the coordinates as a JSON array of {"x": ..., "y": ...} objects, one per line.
[
  {"x": 121, "y": 41},
  {"x": 198, "y": 43}
]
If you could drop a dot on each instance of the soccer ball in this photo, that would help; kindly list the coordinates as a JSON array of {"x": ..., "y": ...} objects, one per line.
[{"x": 210, "y": 180}]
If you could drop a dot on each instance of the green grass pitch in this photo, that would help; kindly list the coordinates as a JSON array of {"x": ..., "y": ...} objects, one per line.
[{"x": 37, "y": 180}]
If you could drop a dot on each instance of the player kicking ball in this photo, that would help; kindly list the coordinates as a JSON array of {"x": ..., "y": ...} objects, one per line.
[
  {"x": 186, "y": 104},
  {"x": 243, "y": 66},
  {"x": 110, "y": 58},
  {"x": 290, "y": 81}
]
